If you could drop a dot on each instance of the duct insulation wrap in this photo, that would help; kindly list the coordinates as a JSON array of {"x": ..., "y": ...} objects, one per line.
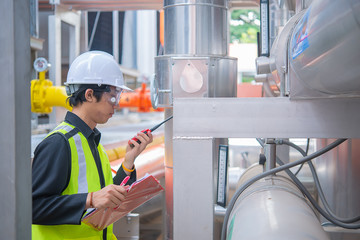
[
  {"x": 196, "y": 27},
  {"x": 274, "y": 209},
  {"x": 324, "y": 52}
]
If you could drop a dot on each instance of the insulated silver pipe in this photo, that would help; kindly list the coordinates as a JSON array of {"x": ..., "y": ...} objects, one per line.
[
  {"x": 196, "y": 27},
  {"x": 273, "y": 208},
  {"x": 195, "y": 64}
]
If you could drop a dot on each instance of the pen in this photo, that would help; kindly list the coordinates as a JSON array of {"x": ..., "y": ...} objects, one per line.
[{"x": 124, "y": 181}]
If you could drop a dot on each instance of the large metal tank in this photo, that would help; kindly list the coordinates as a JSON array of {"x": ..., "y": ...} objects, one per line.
[
  {"x": 324, "y": 50},
  {"x": 317, "y": 53}
]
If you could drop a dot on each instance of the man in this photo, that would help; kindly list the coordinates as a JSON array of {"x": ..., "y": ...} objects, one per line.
[{"x": 71, "y": 171}]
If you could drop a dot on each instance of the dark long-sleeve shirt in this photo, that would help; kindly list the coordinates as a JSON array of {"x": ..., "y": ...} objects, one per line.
[{"x": 51, "y": 174}]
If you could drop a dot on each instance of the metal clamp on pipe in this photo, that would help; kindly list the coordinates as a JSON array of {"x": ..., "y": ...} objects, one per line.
[{"x": 270, "y": 153}]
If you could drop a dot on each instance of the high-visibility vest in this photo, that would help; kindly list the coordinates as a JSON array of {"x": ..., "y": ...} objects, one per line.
[{"x": 84, "y": 178}]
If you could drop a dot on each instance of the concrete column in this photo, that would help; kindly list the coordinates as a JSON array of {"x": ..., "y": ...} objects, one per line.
[
  {"x": 54, "y": 43},
  {"x": 15, "y": 170}
]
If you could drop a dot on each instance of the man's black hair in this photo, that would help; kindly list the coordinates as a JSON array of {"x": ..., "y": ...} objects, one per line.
[{"x": 78, "y": 97}]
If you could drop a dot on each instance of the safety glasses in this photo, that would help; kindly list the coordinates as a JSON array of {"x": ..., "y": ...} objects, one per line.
[{"x": 113, "y": 96}]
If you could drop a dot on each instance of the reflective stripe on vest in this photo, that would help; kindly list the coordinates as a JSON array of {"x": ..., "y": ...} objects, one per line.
[
  {"x": 82, "y": 182},
  {"x": 84, "y": 178}
]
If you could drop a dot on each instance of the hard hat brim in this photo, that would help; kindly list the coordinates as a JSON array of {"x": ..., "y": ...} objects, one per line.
[{"x": 126, "y": 88}]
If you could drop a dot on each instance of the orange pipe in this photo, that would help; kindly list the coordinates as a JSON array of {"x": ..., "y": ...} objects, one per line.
[
  {"x": 116, "y": 151},
  {"x": 139, "y": 99}
]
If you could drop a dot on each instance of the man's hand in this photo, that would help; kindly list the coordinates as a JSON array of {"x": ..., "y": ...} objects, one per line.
[
  {"x": 133, "y": 152},
  {"x": 108, "y": 197}
]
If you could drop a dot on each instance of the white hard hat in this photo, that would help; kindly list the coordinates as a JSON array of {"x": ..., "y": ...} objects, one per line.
[{"x": 96, "y": 67}]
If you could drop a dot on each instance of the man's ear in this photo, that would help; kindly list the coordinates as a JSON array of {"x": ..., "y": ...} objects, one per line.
[{"x": 89, "y": 95}]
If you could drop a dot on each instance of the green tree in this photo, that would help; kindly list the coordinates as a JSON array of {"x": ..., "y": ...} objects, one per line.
[{"x": 244, "y": 25}]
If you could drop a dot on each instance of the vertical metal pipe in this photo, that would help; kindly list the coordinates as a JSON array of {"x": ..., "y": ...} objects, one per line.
[
  {"x": 270, "y": 154},
  {"x": 115, "y": 32},
  {"x": 195, "y": 41},
  {"x": 196, "y": 27},
  {"x": 94, "y": 30}
]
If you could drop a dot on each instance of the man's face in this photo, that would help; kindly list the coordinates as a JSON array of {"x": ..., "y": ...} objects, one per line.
[{"x": 104, "y": 108}]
